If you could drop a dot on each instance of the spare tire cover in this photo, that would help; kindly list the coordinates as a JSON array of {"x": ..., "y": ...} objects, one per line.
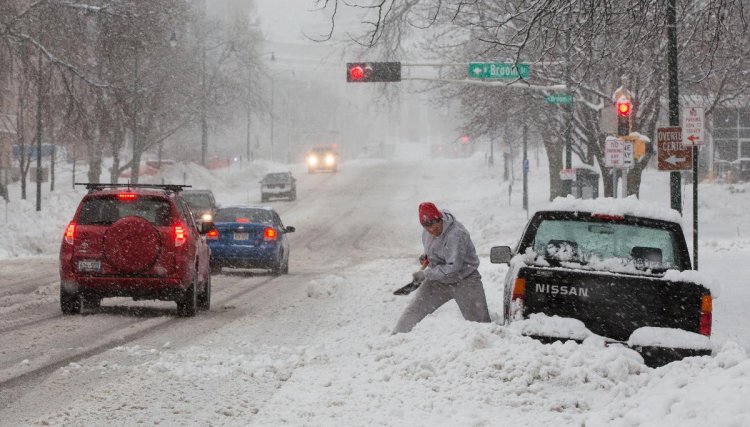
[{"x": 132, "y": 244}]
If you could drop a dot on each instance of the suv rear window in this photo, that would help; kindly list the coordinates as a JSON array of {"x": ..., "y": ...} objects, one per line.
[
  {"x": 198, "y": 200},
  {"x": 106, "y": 210},
  {"x": 277, "y": 177}
]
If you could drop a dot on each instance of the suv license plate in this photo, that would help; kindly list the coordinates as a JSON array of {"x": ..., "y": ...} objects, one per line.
[
  {"x": 89, "y": 265},
  {"x": 241, "y": 236}
]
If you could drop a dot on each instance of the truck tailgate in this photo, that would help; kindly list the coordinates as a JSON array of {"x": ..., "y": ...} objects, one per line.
[{"x": 610, "y": 304}]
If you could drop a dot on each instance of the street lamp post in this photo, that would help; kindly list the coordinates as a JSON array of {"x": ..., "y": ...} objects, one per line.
[
  {"x": 135, "y": 167},
  {"x": 273, "y": 112},
  {"x": 204, "y": 124}
]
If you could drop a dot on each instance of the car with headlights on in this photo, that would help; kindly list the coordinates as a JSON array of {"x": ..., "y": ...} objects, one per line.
[
  {"x": 138, "y": 241},
  {"x": 278, "y": 184},
  {"x": 322, "y": 159},
  {"x": 251, "y": 238},
  {"x": 202, "y": 204}
]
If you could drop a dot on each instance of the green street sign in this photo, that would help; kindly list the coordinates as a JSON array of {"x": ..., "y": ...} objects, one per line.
[
  {"x": 498, "y": 70},
  {"x": 560, "y": 98}
]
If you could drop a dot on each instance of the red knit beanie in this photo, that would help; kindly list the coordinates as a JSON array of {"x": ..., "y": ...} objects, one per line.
[{"x": 428, "y": 212}]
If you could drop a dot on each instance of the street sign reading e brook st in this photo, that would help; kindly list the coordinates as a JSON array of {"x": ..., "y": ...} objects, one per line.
[
  {"x": 498, "y": 70},
  {"x": 673, "y": 155},
  {"x": 560, "y": 98}
]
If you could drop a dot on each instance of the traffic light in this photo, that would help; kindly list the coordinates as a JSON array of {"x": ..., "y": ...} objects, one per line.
[
  {"x": 624, "y": 110},
  {"x": 366, "y": 72}
]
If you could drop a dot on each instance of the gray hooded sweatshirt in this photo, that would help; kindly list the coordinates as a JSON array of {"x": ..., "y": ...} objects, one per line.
[{"x": 451, "y": 254}]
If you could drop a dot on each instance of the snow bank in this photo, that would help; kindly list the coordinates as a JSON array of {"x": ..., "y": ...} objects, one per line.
[{"x": 668, "y": 337}]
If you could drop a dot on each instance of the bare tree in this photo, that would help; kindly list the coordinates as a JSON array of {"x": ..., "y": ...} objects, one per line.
[{"x": 585, "y": 46}]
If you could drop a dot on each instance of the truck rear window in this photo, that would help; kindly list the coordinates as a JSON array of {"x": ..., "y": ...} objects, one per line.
[
  {"x": 108, "y": 209},
  {"x": 590, "y": 242}
]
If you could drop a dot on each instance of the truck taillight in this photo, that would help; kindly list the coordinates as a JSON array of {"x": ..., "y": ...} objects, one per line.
[
  {"x": 517, "y": 297},
  {"x": 608, "y": 217},
  {"x": 180, "y": 235},
  {"x": 519, "y": 289},
  {"x": 269, "y": 234},
  {"x": 70, "y": 232},
  {"x": 706, "y": 314},
  {"x": 213, "y": 234}
]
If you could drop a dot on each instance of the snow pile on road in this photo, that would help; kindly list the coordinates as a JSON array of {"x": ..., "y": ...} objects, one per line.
[{"x": 324, "y": 287}]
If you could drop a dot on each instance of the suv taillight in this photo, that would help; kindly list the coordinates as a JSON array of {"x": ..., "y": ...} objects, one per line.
[
  {"x": 180, "y": 235},
  {"x": 706, "y": 314},
  {"x": 213, "y": 234},
  {"x": 70, "y": 233},
  {"x": 269, "y": 234}
]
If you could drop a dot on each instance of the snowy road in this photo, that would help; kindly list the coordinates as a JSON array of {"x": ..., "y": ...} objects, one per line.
[
  {"x": 346, "y": 219},
  {"x": 314, "y": 347}
]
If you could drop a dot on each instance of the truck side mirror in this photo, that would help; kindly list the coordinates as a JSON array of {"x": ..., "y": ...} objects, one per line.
[{"x": 500, "y": 255}]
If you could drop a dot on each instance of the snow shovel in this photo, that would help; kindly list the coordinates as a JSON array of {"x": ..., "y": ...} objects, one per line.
[{"x": 411, "y": 287}]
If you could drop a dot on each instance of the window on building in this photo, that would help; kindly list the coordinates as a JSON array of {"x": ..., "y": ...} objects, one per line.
[{"x": 725, "y": 149}]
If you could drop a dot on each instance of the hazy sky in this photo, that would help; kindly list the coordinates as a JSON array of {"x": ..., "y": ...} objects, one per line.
[
  {"x": 290, "y": 20},
  {"x": 293, "y": 20}
]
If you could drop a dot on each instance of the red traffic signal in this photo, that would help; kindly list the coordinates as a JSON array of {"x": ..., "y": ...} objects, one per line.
[
  {"x": 464, "y": 139},
  {"x": 365, "y": 72},
  {"x": 356, "y": 73},
  {"x": 623, "y": 108}
]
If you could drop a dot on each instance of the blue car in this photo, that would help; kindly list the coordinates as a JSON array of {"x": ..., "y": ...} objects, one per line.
[{"x": 249, "y": 237}]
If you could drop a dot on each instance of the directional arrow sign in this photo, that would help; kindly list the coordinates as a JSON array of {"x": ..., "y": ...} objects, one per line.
[
  {"x": 674, "y": 160},
  {"x": 693, "y": 126},
  {"x": 672, "y": 154}
]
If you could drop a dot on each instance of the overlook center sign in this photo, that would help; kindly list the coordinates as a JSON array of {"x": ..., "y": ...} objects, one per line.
[{"x": 672, "y": 154}]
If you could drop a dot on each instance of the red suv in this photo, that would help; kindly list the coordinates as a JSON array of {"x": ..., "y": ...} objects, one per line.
[{"x": 138, "y": 241}]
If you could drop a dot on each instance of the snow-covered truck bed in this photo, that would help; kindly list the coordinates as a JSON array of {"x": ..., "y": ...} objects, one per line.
[{"x": 620, "y": 268}]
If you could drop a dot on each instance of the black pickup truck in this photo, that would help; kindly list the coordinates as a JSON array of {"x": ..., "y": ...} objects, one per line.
[{"x": 625, "y": 275}]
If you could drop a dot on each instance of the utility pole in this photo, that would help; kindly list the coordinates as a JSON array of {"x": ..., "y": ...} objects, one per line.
[
  {"x": 567, "y": 184},
  {"x": 39, "y": 131},
  {"x": 674, "y": 102},
  {"x": 525, "y": 170},
  {"x": 491, "y": 160},
  {"x": 273, "y": 114},
  {"x": 204, "y": 120},
  {"x": 135, "y": 167}
]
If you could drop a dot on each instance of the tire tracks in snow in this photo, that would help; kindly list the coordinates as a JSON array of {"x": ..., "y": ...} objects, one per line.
[{"x": 13, "y": 387}]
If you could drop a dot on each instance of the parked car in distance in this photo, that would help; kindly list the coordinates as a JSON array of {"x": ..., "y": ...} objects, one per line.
[
  {"x": 249, "y": 237},
  {"x": 138, "y": 241},
  {"x": 202, "y": 204},
  {"x": 322, "y": 159},
  {"x": 618, "y": 269},
  {"x": 278, "y": 184}
]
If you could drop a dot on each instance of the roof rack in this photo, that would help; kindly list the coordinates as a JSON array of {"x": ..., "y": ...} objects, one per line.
[{"x": 95, "y": 186}]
